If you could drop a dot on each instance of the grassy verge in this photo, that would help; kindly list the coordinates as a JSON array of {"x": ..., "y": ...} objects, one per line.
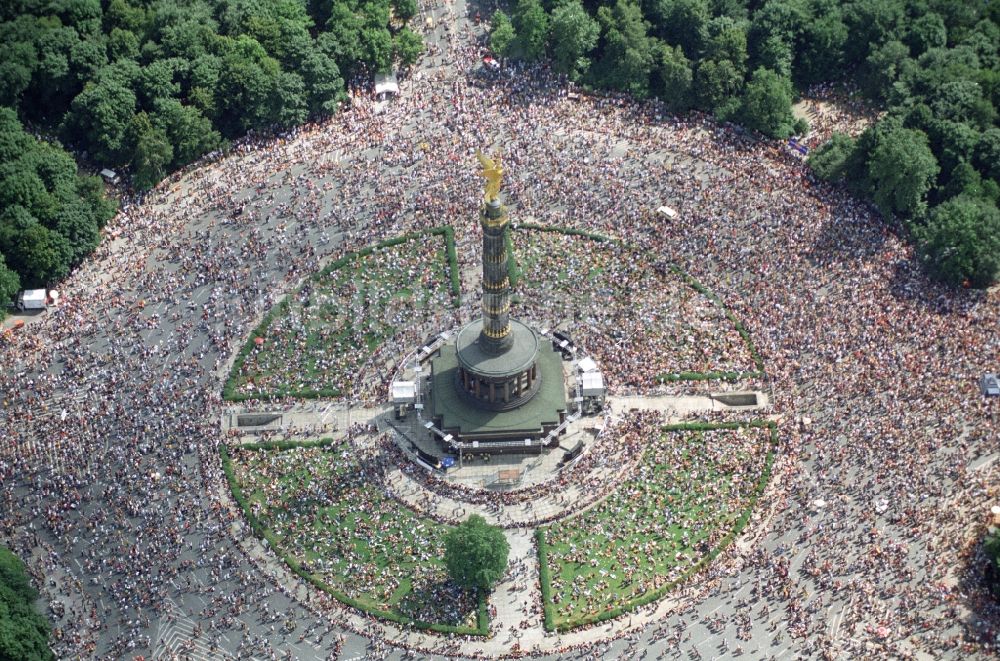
[
  {"x": 544, "y": 547},
  {"x": 275, "y": 543},
  {"x": 516, "y": 272},
  {"x": 230, "y": 390}
]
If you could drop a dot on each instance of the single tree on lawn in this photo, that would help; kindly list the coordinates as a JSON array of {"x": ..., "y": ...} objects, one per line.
[{"x": 476, "y": 553}]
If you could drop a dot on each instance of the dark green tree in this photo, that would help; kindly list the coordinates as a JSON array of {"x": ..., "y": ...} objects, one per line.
[
  {"x": 86, "y": 58},
  {"x": 502, "y": 34},
  {"x": 100, "y": 120},
  {"x": 961, "y": 241},
  {"x": 574, "y": 35},
  {"x": 476, "y": 554},
  {"x": 883, "y": 67},
  {"x": 14, "y": 142},
  {"x": 987, "y": 156},
  {"x": 75, "y": 222},
  {"x": 376, "y": 44},
  {"x": 288, "y": 103},
  {"x": 153, "y": 153},
  {"x": 774, "y": 53},
  {"x": 17, "y": 63},
  {"x": 24, "y": 633},
  {"x": 280, "y": 26},
  {"x": 962, "y": 101},
  {"x": 717, "y": 86},
  {"x": 324, "y": 86},
  {"x": 39, "y": 255},
  {"x": 531, "y": 25},
  {"x": 10, "y": 284},
  {"x": 404, "y": 10},
  {"x": 52, "y": 82},
  {"x": 681, "y": 22},
  {"x": 342, "y": 39},
  {"x": 901, "y": 170},
  {"x": 244, "y": 95},
  {"x": 871, "y": 23},
  {"x": 408, "y": 46},
  {"x": 727, "y": 40},
  {"x": 628, "y": 50},
  {"x": 830, "y": 161},
  {"x": 675, "y": 76},
  {"x": 925, "y": 32},
  {"x": 189, "y": 133},
  {"x": 127, "y": 16},
  {"x": 820, "y": 50},
  {"x": 991, "y": 546},
  {"x": 952, "y": 142},
  {"x": 767, "y": 104},
  {"x": 159, "y": 80}
]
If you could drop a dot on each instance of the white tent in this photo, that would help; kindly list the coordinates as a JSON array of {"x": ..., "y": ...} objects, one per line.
[
  {"x": 587, "y": 365},
  {"x": 592, "y": 384},
  {"x": 404, "y": 392},
  {"x": 669, "y": 212},
  {"x": 386, "y": 83}
]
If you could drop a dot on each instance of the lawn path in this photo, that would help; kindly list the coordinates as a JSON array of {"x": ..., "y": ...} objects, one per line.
[{"x": 517, "y": 597}]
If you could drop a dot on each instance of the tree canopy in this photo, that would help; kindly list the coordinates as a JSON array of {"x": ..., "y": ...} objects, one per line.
[
  {"x": 50, "y": 215},
  {"x": 147, "y": 86},
  {"x": 24, "y": 633},
  {"x": 476, "y": 554}
]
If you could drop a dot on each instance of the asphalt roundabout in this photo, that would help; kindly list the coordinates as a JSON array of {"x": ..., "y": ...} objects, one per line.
[
  {"x": 879, "y": 455},
  {"x": 360, "y": 519}
]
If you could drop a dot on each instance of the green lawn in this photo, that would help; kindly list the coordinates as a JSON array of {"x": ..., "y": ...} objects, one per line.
[
  {"x": 663, "y": 321},
  {"x": 325, "y": 511},
  {"x": 317, "y": 340},
  {"x": 692, "y": 488}
]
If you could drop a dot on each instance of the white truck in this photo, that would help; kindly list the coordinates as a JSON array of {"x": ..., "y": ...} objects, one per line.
[{"x": 31, "y": 299}]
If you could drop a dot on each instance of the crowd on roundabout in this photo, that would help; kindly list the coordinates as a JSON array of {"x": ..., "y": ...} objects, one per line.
[
  {"x": 677, "y": 506},
  {"x": 333, "y": 328},
  {"x": 326, "y": 508},
  {"x": 110, "y": 409}
]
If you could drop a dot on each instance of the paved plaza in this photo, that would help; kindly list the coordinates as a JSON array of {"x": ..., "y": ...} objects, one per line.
[{"x": 862, "y": 545}]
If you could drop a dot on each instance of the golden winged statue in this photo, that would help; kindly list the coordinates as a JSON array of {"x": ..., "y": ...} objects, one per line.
[{"x": 492, "y": 172}]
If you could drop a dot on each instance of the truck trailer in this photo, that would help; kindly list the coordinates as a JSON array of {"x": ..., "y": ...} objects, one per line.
[{"x": 31, "y": 299}]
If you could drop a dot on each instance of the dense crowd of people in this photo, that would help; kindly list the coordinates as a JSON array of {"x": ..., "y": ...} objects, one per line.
[
  {"x": 111, "y": 401},
  {"x": 639, "y": 323},
  {"x": 676, "y": 506},
  {"x": 334, "y": 328},
  {"x": 328, "y": 510}
]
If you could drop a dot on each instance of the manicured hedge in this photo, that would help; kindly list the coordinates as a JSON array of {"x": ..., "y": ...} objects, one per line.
[
  {"x": 513, "y": 268},
  {"x": 655, "y": 595},
  {"x": 482, "y": 616},
  {"x": 452, "y": 254},
  {"x": 707, "y": 376},
  {"x": 740, "y": 328}
]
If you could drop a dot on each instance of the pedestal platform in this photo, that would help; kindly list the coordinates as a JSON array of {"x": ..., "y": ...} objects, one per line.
[{"x": 457, "y": 414}]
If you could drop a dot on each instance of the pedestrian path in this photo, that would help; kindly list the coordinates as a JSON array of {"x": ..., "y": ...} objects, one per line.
[
  {"x": 516, "y": 598},
  {"x": 177, "y": 637}
]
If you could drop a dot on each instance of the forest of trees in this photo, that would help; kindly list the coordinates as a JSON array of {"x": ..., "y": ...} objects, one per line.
[
  {"x": 24, "y": 632},
  {"x": 148, "y": 86},
  {"x": 932, "y": 162}
]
